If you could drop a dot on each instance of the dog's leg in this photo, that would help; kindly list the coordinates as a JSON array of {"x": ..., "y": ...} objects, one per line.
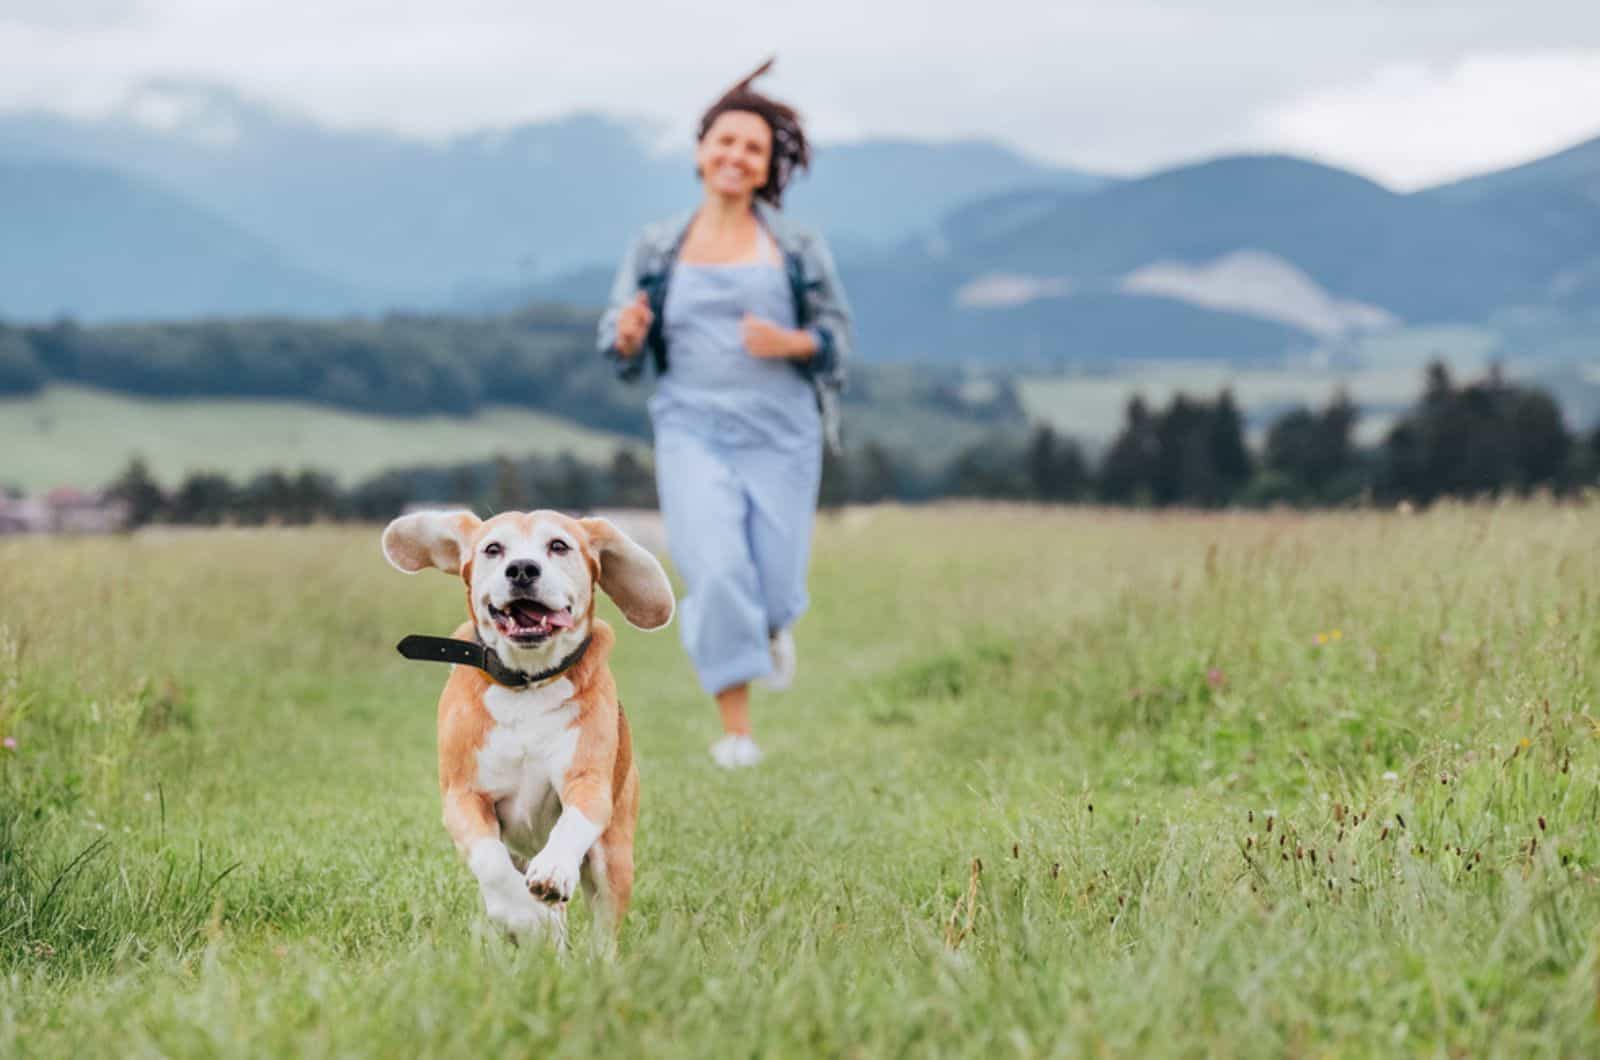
[
  {"x": 469, "y": 817},
  {"x": 614, "y": 883},
  {"x": 608, "y": 870},
  {"x": 553, "y": 872},
  {"x": 616, "y": 850},
  {"x": 607, "y": 883},
  {"x": 585, "y": 813}
]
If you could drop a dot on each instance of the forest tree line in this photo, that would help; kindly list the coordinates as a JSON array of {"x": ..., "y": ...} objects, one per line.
[
  {"x": 407, "y": 364},
  {"x": 1483, "y": 438}
]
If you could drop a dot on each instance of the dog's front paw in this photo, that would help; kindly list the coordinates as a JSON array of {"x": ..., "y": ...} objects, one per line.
[
  {"x": 551, "y": 877},
  {"x": 520, "y": 916}
]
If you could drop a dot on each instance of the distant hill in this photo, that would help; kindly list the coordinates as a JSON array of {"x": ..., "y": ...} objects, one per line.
[
  {"x": 94, "y": 243},
  {"x": 1576, "y": 168},
  {"x": 1556, "y": 200},
  {"x": 1246, "y": 259},
  {"x": 442, "y": 224},
  {"x": 883, "y": 191},
  {"x": 1422, "y": 259},
  {"x": 955, "y": 252}
]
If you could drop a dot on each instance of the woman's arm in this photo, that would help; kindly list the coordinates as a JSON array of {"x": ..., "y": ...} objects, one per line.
[
  {"x": 765, "y": 339},
  {"x": 624, "y": 289},
  {"x": 828, "y": 314}
]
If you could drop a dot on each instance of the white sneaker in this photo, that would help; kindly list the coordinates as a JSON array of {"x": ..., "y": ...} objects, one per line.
[
  {"x": 784, "y": 661},
  {"x": 736, "y": 752}
]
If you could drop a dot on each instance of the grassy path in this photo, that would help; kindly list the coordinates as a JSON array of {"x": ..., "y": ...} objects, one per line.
[{"x": 1238, "y": 785}]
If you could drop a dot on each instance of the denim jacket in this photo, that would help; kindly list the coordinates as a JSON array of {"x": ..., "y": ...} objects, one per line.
[{"x": 819, "y": 304}]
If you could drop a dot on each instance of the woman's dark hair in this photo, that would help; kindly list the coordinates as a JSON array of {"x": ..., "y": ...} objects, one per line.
[{"x": 789, "y": 148}]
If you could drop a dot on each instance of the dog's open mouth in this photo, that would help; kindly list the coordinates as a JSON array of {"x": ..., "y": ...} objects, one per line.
[{"x": 528, "y": 621}]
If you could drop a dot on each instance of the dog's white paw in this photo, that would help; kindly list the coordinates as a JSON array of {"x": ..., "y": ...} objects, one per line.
[
  {"x": 551, "y": 877},
  {"x": 518, "y": 914}
]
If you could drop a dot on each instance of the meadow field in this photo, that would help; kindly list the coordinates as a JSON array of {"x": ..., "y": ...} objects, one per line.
[
  {"x": 79, "y": 436},
  {"x": 1052, "y": 783}
]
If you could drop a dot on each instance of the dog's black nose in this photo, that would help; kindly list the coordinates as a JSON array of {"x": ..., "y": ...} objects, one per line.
[{"x": 522, "y": 572}]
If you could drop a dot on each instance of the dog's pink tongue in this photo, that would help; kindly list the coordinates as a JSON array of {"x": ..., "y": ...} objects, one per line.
[{"x": 561, "y": 619}]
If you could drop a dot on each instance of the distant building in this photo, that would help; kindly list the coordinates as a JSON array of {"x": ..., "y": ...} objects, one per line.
[{"x": 63, "y": 510}]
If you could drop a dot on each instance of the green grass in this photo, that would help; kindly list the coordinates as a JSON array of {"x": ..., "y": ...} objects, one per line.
[
  {"x": 71, "y": 435},
  {"x": 1240, "y": 785}
]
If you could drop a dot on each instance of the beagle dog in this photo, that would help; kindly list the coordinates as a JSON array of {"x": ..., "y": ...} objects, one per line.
[{"x": 535, "y": 759}]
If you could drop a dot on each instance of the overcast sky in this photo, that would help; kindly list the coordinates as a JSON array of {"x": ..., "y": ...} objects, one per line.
[{"x": 1407, "y": 91}]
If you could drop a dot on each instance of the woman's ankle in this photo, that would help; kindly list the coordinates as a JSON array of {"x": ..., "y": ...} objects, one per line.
[{"x": 733, "y": 705}]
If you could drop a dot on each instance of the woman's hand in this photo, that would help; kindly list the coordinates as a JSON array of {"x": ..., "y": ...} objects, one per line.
[
  {"x": 763, "y": 338},
  {"x": 633, "y": 324}
]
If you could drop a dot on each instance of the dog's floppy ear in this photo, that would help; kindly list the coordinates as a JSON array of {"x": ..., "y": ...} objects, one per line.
[
  {"x": 631, "y": 576},
  {"x": 429, "y": 539}
]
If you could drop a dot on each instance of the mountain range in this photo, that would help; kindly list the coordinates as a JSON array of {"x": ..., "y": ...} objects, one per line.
[
  {"x": 94, "y": 243},
  {"x": 192, "y": 201},
  {"x": 398, "y": 222}
]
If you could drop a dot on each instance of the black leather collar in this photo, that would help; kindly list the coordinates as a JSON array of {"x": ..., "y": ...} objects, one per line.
[{"x": 479, "y": 656}]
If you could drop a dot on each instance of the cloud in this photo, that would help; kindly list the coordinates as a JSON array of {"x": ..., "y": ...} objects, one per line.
[
  {"x": 1122, "y": 88},
  {"x": 1413, "y": 124},
  {"x": 76, "y": 15}
]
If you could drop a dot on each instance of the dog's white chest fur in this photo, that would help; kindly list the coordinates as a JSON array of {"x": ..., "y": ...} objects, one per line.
[{"x": 524, "y": 759}]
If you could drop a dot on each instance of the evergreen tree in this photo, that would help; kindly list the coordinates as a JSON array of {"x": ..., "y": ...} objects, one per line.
[
  {"x": 631, "y": 483},
  {"x": 313, "y": 496},
  {"x": 379, "y": 499},
  {"x": 575, "y": 486},
  {"x": 989, "y": 470},
  {"x": 1230, "y": 457},
  {"x": 20, "y": 370},
  {"x": 204, "y": 498},
  {"x": 837, "y": 479},
  {"x": 877, "y": 478},
  {"x": 140, "y": 492},
  {"x": 1128, "y": 472},
  {"x": 1484, "y": 438},
  {"x": 510, "y": 492},
  {"x": 1541, "y": 446},
  {"x": 1055, "y": 467},
  {"x": 464, "y": 487},
  {"x": 267, "y": 498},
  {"x": 1186, "y": 472},
  {"x": 1313, "y": 454}
]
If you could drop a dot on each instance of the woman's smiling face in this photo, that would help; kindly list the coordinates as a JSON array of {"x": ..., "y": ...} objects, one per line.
[{"x": 734, "y": 154}]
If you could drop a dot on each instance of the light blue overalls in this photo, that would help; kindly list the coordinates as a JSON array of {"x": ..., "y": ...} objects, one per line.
[{"x": 738, "y": 464}]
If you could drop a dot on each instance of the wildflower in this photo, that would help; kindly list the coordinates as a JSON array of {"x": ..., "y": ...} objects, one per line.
[
  {"x": 1322, "y": 638},
  {"x": 9, "y": 743},
  {"x": 1337, "y": 634},
  {"x": 1216, "y": 678},
  {"x": 1524, "y": 743},
  {"x": 1391, "y": 775}
]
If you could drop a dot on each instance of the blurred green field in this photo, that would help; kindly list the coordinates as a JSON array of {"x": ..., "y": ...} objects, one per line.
[
  {"x": 1239, "y": 785},
  {"x": 70, "y": 435}
]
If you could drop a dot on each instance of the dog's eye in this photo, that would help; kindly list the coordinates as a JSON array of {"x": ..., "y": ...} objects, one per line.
[
  {"x": 559, "y": 548},
  {"x": 493, "y": 548}
]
